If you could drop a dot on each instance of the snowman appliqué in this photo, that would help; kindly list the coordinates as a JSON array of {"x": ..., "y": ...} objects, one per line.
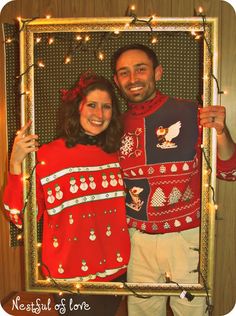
[
  {"x": 84, "y": 266},
  {"x": 71, "y": 220},
  {"x": 59, "y": 193},
  {"x": 73, "y": 186},
  {"x": 118, "y": 257},
  {"x": 113, "y": 181},
  {"x": 108, "y": 232},
  {"x": 120, "y": 180},
  {"x": 55, "y": 242},
  {"x": 51, "y": 197},
  {"x": 104, "y": 181},
  {"x": 92, "y": 234},
  {"x": 92, "y": 184},
  {"x": 83, "y": 185},
  {"x": 60, "y": 269}
]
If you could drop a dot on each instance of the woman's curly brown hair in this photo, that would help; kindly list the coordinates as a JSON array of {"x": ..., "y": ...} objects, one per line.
[{"x": 70, "y": 127}]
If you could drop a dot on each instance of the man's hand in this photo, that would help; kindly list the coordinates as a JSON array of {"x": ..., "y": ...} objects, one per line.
[{"x": 213, "y": 116}]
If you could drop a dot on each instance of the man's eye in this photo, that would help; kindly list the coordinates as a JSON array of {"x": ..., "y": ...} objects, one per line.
[
  {"x": 141, "y": 69},
  {"x": 123, "y": 73}
]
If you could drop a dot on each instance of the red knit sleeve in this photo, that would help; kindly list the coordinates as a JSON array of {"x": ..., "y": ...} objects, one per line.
[
  {"x": 226, "y": 169},
  {"x": 13, "y": 199},
  {"x": 40, "y": 198}
]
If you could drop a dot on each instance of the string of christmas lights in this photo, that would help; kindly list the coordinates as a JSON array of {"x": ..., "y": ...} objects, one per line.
[
  {"x": 98, "y": 53},
  {"x": 15, "y": 37},
  {"x": 203, "y": 16},
  {"x": 219, "y": 91},
  {"x": 135, "y": 21}
]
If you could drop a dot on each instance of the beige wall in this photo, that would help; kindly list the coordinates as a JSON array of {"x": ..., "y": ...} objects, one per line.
[{"x": 11, "y": 260}]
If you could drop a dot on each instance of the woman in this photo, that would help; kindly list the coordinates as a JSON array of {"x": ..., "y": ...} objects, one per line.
[{"x": 80, "y": 191}]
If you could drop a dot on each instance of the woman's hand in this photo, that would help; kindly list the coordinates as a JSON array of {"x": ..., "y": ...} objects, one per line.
[{"x": 23, "y": 144}]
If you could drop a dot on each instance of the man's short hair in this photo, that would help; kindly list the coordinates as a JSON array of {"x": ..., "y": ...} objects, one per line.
[{"x": 147, "y": 50}]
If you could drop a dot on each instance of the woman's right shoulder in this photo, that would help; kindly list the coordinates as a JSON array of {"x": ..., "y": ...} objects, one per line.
[{"x": 51, "y": 147}]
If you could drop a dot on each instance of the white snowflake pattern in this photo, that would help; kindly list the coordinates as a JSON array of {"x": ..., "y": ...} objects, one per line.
[{"x": 127, "y": 145}]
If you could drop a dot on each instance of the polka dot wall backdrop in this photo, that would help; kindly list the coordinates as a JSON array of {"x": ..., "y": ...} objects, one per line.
[{"x": 179, "y": 53}]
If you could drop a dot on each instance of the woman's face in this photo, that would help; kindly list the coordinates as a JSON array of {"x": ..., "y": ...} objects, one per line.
[{"x": 95, "y": 112}]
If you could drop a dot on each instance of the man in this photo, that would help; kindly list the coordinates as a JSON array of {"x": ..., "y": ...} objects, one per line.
[{"x": 160, "y": 159}]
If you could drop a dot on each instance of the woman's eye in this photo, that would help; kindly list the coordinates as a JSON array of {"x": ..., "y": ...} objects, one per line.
[
  {"x": 107, "y": 106},
  {"x": 91, "y": 105}
]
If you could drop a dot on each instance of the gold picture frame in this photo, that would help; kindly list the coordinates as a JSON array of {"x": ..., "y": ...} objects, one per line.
[{"x": 29, "y": 28}]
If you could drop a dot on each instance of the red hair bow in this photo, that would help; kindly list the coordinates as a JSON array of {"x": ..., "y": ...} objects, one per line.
[{"x": 85, "y": 80}]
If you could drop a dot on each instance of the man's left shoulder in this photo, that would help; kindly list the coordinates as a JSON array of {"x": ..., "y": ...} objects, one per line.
[{"x": 186, "y": 101}]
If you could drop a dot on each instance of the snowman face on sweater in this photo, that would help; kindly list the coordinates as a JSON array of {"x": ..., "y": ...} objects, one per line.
[{"x": 95, "y": 112}]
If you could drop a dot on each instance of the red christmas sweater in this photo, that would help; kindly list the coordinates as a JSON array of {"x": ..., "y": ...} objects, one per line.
[
  {"x": 80, "y": 194},
  {"x": 160, "y": 158}
]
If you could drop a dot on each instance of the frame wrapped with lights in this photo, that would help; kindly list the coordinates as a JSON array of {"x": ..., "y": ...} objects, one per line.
[{"x": 107, "y": 35}]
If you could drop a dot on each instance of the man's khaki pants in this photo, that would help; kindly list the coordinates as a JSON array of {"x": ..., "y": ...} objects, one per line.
[{"x": 154, "y": 256}]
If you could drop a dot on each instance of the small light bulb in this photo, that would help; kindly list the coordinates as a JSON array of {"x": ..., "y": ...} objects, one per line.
[
  {"x": 25, "y": 178},
  {"x": 200, "y": 9},
  {"x": 43, "y": 163},
  {"x": 60, "y": 293},
  {"x": 19, "y": 18},
  {"x": 9, "y": 40},
  {"x": 167, "y": 276},
  {"x": 38, "y": 39},
  {"x": 50, "y": 40},
  {"x": 78, "y": 37},
  {"x": 19, "y": 237},
  {"x": 193, "y": 33},
  {"x": 101, "y": 56},
  {"x": 154, "y": 40},
  {"x": 216, "y": 207},
  {"x": 39, "y": 244},
  {"x": 116, "y": 32},
  {"x": 41, "y": 64},
  {"x": 87, "y": 38},
  {"x": 78, "y": 286},
  {"x": 48, "y": 16},
  {"x": 67, "y": 60},
  {"x": 132, "y": 7},
  {"x": 127, "y": 25}
]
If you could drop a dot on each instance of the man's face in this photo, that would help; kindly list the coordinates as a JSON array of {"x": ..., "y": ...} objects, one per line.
[{"x": 136, "y": 77}]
